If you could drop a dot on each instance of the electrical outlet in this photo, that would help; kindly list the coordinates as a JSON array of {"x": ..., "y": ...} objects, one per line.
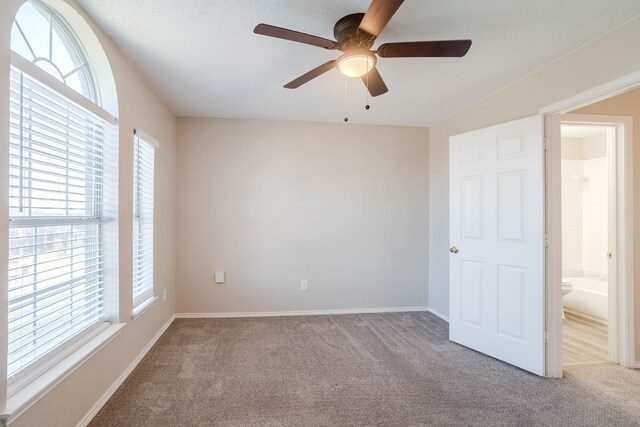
[
  {"x": 303, "y": 285},
  {"x": 164, "y": 295}
]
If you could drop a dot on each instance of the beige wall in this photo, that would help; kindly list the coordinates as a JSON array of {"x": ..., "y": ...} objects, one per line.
[
  {"x": 271, "y": 203},
  {"x": 610, "y": 57},
  {"x": 627, "y": 104},
  {"x": 138, "y": 107}
]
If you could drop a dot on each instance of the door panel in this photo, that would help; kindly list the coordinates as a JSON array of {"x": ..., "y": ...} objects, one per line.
[
  {"x": 511, "y": 303},
  {"x": 496, "y": 222},
  {"x": 471, "y": 198},
  {"x": 471, "y": 295},
  {"x": 511, "y": 205}
]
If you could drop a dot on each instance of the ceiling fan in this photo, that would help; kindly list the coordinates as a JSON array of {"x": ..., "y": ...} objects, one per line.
[{"x": 355, "y": 35}]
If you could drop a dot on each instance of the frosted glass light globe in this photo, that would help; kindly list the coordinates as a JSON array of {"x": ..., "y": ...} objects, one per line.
[{"x": 356, "y": 64}]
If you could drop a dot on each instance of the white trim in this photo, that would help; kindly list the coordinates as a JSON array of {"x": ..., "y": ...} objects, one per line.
[
  {"x": 225, "y": 315},
  {"x": 438, "y": 314},
  {"x": 637, "y": 365},
  {"x": 141, "y": 308},
  {"x": 613, "y": 141},
  {"x": 146, "y": 137},
  {"x": 42, "y": 76},
  {"x": 623, "y": 322},
  {"x": 29, "y": 395},
  {"x": 598, "y": 93},
  {"x": 31, "y": 373},
  {"x": 118, "y": 382},
  {"x": 553, "y": 295}
]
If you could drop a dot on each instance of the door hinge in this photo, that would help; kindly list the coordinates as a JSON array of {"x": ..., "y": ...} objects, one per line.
[
  {"x": 547, "y": 143},
  {"x": 547, "y": 240},
  {"x": 546, "y": 337}
]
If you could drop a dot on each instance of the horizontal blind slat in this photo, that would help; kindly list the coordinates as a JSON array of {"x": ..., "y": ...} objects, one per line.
[
  {"x": 60, "y": 146},
  {"x": 40, "y": 313},
  {"x": 49, "y": 328},
  {"x": 56, "y": 265},
  {"x": 47, "y": 291},
  {"x": 81, "y": 135},
  {"x": 48, "y": 159},
  {"x": 143, "y": 175},
  {"x": 95, "y": 262},
  {"x": 35, "y": 299}
]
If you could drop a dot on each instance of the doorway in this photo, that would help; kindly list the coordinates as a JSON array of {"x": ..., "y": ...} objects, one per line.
[
  {"x": 588, "y": 191},
  {"x": 613, "y": 289},
  {"x": 501, "y": 207}
]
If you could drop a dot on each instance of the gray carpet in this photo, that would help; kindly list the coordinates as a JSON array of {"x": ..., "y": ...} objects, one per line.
[{"x": 353, "y": 370}]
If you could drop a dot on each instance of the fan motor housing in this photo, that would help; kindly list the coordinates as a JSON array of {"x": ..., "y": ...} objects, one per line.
[{"x": 346, "y": 33}]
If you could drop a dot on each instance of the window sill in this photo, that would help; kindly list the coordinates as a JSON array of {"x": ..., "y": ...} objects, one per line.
[
  {"x": 29, "y": 395},
  {"x": 143, "y": 307}
]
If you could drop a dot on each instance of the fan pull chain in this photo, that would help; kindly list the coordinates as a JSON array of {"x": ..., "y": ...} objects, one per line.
[
  {"x": 366, "y": 107},
  {"x": 346, "y": 118}
]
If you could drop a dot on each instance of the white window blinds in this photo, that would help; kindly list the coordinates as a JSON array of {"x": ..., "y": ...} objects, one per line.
[
  {"x": 56, "y": 273},
  {"x": 143, "y": 173}
]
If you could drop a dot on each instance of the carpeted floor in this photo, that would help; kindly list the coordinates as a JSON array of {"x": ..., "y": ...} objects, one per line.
[{"x": 353, "y": 370}]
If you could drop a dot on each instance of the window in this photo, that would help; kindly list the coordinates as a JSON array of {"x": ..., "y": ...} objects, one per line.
[
  {"x": 43, "y": 38},
  {"x": 143, "y": 170},
  {"x": 56, "y": 277}
]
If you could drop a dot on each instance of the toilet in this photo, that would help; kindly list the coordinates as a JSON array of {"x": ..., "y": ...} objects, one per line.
[{"x": 566, "y": 288}]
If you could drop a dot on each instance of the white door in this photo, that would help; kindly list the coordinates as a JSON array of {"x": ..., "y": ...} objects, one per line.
[{"x": 497, "y": 242}]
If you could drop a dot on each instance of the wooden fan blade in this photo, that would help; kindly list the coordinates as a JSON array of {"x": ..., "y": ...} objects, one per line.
[
  {"x": 378, "y": 15},
  {"x": 311, "y": 75},
  {"x": 375, "y": 84},
  {"x": 294, "y": 36},
  {"x": 448, "y": 48}
]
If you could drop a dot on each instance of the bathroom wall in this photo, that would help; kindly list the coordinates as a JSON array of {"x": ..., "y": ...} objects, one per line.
[
  {"x": 572, "y": 231},
  {"x": 585, "y": 224},
  {"x": 584, "y": 205},
  {"x": 595, "y": 201}
]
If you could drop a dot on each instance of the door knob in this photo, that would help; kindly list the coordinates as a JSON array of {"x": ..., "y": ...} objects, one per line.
[{"x": 454, "y": 250}]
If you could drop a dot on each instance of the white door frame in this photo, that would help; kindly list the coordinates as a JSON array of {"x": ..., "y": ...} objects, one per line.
[
  {"x": 620, "y": 240},
  {"x": 553, "y": 275}
]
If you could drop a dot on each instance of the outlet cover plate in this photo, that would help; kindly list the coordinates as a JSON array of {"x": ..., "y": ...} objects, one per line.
[{"x": 219, "y": 277}]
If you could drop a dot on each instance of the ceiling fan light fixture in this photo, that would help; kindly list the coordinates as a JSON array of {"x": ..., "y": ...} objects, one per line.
[{"x": 356, "y": 64}]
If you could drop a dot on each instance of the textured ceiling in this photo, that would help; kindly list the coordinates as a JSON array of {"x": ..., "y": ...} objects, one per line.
[{"x": 203, "y": 59}]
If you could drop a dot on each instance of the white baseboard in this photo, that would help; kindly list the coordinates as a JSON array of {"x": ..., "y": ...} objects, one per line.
[
  {"x": 107, "y": 395},
  {"x": 437, "y": 313},
  {"x": 637, "y": 365},
  {"x": 297, "y": 313}
]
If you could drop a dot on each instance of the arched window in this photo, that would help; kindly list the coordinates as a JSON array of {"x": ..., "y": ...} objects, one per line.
[
  {"x": 42, "y": 37},
  {"x": 59, "y": 140}
]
